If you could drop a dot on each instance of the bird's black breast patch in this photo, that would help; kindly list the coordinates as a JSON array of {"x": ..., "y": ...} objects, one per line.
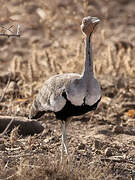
[
  {"x": 64, "y": 94},
  {"x": 71, "y": 110}
]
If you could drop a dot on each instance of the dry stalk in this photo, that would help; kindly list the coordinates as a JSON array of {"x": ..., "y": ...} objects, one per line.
[
  {"x": 5, "y": 90},
  {"x": 14, "y": 64},
  {"x": 50, "y": 63},
  {"x": 30, "y": 72},
  {"x": 79, "y": 51},
  {"x": 98, "y": 68},
  {"x": 35, "y": 63},
  {"x": 30, "y": 142},
  {"x": 17, "y": 66},
  {"x": 57, "y": 66},
  {"x": 103, "y": 35},
  {"x": 110, "y": 58},
  {"x": 127, "y": 59},
  {"x": 14, "y": 136},
  {"x": 85, "y": 7},
  {"x": 23, "y": 167},
  {"x": 127, "y": 66},
  {"x": 118, "y": 62}
]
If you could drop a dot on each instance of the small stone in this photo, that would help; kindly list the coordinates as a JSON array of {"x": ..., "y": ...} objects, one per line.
[
  {"x": 81, "y": 146},
  {"x": 118, "y": 129},
  {"x": 20, "y": 82},
  {"x": 108, "y": 151},
  {"x": 131, "y": 122},
  {"x": 12, "y": 87},
  {"x": 97, "y": 144},
  {"x": 2, "y": 147}
]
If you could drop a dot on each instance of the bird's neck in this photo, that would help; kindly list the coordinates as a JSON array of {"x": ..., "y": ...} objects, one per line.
[{"x": 88, "y": 66}]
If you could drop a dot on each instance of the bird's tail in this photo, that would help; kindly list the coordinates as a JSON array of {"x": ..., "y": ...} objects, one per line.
[{"x": 35, "y": 113}]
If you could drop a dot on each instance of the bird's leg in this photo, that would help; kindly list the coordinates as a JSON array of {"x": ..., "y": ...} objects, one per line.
[
  {"x": 64, "y": 136},
  {"x": 64, "y": 146}
]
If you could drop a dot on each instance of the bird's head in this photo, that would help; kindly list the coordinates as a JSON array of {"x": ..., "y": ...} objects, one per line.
[{"x": 88, "y": 25}]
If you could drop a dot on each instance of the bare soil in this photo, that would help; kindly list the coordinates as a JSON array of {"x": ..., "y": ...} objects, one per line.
[{"x": 101, "y": 145}]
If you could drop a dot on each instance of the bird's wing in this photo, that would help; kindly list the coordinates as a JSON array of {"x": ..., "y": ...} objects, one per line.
[
  {"x": 93, "y": 92},
  {"x": 50, "y": 96}
]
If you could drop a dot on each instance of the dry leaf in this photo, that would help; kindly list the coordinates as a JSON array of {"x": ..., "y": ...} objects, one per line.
[{"x": 131, "y": 113}]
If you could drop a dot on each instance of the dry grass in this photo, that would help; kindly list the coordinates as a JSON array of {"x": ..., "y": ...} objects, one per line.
[
  {"x": 52, "y": 43},
  {"x": 18, "y": 164}
]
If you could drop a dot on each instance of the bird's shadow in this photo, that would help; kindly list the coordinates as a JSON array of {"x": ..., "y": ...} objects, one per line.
[
  {"x": 107, "y": 132},
  {"x": 83, "y": 119}
]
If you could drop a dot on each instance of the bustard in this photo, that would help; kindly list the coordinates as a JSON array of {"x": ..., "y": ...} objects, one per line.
[{"x": 70, "y": 94}]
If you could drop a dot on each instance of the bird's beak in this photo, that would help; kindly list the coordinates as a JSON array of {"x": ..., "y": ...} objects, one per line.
[{"x": 95, "y": 20}]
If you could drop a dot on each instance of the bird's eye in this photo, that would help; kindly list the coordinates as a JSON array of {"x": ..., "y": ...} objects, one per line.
[{"x": 85, "y": 21}]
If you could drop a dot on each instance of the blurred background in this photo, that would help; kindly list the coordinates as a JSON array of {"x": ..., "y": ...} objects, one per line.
[{"x": 51, "y": 42}]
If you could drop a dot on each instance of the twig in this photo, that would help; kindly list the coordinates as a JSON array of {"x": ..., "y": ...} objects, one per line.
[
  {"x": 3, "y": 133},
  {"x": 5, "y": 89},
  {"x": 8, "y": 29},
  {"x": 19, "y": 155},
  {"x": 11, "y": 35},
  {"x": 16, "y": 118},
  {"x": 117, "y": 159}
]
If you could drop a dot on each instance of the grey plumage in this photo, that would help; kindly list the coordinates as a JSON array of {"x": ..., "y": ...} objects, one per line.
[
  {"x": 70, "y": 92},
  {"x": 50, "y": 96}
]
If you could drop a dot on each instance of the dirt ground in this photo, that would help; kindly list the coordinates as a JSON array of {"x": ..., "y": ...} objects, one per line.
[{"x": 101, "y": 145}]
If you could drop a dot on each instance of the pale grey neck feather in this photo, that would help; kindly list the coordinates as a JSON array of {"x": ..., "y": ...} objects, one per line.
[
  {"x": 86, "y": 86},
  {"x": 88, "y": 72}
]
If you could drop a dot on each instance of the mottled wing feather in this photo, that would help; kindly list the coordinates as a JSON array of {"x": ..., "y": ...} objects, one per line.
[{"x": 49, "y": 98}]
